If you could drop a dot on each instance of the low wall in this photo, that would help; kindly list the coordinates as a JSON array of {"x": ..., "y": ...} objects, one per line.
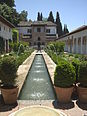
[
  {"x": 24, "y": 69},
  {"x": 50, "y": 65}
]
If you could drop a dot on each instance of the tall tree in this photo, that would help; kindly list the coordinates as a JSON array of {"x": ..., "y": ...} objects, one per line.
[
  {"x": 59, "y": 25},
  {"x": 9, "y": 13},
  {"x": 23, "y": 15},
  {"x": 38, "y": 17},
  {"x": 65, "y": 31},
  {"x": 10, "y": 3},
  {"x": 50, "y": 17},
  {"x": 41, "y": 17}
]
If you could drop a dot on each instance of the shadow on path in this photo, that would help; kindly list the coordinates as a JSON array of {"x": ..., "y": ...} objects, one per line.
[
  {"x": 83, "y": 106},
  {"x": 63, "y": 106},
  {"x": 4, "y": 107}
]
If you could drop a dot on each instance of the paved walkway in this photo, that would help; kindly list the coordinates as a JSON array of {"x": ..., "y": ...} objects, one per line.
[{"x": 74, "y": 108}]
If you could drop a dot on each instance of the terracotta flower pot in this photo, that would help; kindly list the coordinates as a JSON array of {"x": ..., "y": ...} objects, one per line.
[
  {"x": 82, "y": 93},
  {"x": 64, "y": 94},
  {"x": 10, "y": 95}
]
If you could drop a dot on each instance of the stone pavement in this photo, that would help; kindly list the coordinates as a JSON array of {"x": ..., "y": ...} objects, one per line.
[{"x": 74, "y": 108}]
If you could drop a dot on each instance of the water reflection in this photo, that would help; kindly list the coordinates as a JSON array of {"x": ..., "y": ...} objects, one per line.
[{"x": 37, "y": 85}]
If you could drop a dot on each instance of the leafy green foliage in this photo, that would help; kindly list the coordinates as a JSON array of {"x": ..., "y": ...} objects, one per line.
[
  {"x": 23, "y": 15},
  {"x": 20, "y": 49},
  {"x": 10, "y": 3},
  {"x": 59, "y": 25},
  {"x": 39, "y": 17},
  {"x": 15, "y": 35},
  {"x": 57, "y": 47},
  {"x": 82, "y": 79},
  {"x": 51, "y": 18},
  {"x": 65, "y": 30},
  {"x": 12, "y": 15},
  {"x": 15, "y": 47},
  {"x": 75, "y": 63},
  {"x": 23, "y": 56},
  {"x": 8, "y": 69},
  {"x": 64, "y": 74}
]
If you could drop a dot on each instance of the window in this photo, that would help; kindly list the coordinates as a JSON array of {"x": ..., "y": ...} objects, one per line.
[
  {"x": 0, "y": 28},
  {"x": 47, "y": 30},
  {"x": 29, "y": 31},
  {"x": 38, "y": 29}
]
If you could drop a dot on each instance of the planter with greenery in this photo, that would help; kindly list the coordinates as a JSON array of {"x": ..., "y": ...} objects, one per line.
[
  {"x": 82, "y": 79},
  {"x": 64, "y": 78},
  {"x": 8, "y": 70}
]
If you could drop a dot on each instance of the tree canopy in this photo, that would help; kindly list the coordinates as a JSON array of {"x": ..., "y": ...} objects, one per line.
[
  {"x": 10, "y": 3},
  {"x": 23, "y": 15},
  {"x": 39, "y": 17},
  {"x": 59, "y": 25},
  {"x": 10, "y": 13},
  {"x": 65, "y": 30},
  {"x": 50, "y": 17}
]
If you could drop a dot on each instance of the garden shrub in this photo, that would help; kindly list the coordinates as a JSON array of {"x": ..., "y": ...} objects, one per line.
[
  {"x": 75, "y": 63},
  {"x": 15, "y": 47},
  {"x": 8, "y": 69},
  {"x": 82, "y": 78},
  {"x": 64, "y": 75},
  {"x": 20, "y": 49}
]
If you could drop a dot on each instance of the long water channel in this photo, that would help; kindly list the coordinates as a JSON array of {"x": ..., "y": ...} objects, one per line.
[{"x": 37, "y": 85}]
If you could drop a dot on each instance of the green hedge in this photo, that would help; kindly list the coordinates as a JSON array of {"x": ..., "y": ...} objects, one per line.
[
  {"x": 64, "y": 74},
  {"x": 82, "y": 79},
  {"x": 8, "y": 69}
]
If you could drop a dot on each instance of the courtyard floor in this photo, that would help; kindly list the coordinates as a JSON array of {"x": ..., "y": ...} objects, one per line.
[{"x": 74, "y": 108}]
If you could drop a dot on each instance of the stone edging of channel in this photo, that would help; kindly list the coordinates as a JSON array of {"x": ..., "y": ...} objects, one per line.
[
  {"x": 23, "y": 70},
  {"x": 50, "y": 65}
]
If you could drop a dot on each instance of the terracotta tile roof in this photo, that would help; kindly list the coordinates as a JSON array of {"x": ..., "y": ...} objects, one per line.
[
  {"x": 5, "y": 21},
  {"x": 84, "y": 27},
  {"x": 26, "y": 24}
]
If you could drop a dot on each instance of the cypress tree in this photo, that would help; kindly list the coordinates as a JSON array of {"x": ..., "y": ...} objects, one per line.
[
  {"x": 41, "y": 17},
  {"x": 51, "y": 18},
  {"x": 65, "y": 30},
  {"x": 59, "y": 25},
  {"x": 38, "y": 17}
]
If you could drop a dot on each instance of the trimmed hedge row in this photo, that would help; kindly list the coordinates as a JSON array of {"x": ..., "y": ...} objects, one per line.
[{"x": 63, "y": 69}]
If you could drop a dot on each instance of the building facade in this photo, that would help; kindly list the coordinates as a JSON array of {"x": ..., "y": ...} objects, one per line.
[
  {"x": 5, "y": 32},
  {"x": 76, "y": 41},
  {"x": 37, "y": 33}
]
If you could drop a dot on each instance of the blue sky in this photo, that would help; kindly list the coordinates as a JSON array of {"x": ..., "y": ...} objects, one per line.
[{"x": 72, "y": 12}]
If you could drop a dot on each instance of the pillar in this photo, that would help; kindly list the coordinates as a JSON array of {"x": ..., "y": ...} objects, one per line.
[
  {"x": 76, "y": 45},
  {"x": 73, "y": 48},
  {"x": 81, "y": 45},
  {"x": 5, "y": 46},
  {"x": 86, "y": 44}
]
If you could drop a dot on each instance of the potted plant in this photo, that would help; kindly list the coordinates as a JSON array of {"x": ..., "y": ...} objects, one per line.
[
  {"x": 82, "y": 79},
  {"x": 9, "y": 89},
  {"x": 64, "y": 77}
]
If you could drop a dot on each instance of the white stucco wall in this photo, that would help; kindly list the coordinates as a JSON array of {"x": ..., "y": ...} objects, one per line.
[
  {"x": 82, "y": 49},
  {"x": 5, "y": 33},
  {"x": 23, "y": 30},
  {"x": 52, "y": 29}
]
